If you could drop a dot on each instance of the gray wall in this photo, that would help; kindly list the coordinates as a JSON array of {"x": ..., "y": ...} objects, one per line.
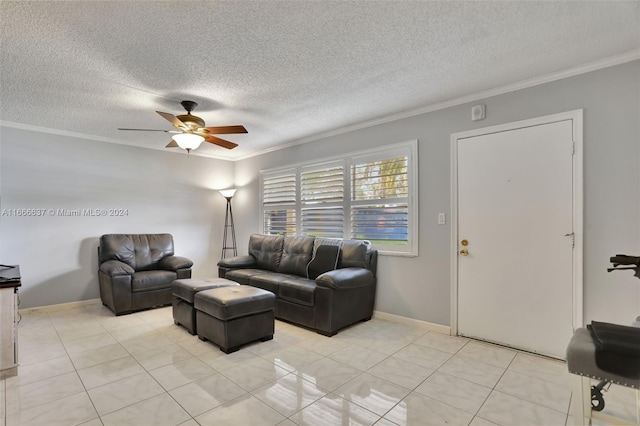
[
  {"x": 162, "y": 192},
  {"x": 419, "y": 287}
]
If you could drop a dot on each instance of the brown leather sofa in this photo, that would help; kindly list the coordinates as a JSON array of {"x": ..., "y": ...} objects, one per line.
[
  {"x": 342, "y": 294},
  {"x": 136, "y": 271}
]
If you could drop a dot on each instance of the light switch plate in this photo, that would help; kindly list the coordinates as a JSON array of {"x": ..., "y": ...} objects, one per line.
[{"x": 441, "y": 219}]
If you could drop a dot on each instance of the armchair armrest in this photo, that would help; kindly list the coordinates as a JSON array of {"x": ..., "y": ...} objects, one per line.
[
  {"x": 245, "y": 261},
  {"x": 345, "y": 278},
  {"x": 115, "y": 268},
  {"x": 173, "y": 263}
]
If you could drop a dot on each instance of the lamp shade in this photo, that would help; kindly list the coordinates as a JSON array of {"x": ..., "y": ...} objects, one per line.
[
  {"x": 228, "y": 193},
  {"x": 188, "y": 141}
]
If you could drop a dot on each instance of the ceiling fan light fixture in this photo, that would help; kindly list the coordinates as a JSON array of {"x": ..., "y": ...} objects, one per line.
[{"x": 188, "y": 141}]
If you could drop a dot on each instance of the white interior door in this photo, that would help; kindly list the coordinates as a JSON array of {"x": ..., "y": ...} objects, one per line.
[{"x": 515, "y": 209}]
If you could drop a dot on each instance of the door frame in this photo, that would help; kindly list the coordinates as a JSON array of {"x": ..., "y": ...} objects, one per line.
[{"x": 577, "y": 123}]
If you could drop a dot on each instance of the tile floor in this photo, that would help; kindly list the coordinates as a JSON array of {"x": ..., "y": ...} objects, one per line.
[{"x": 82, "y": 365}]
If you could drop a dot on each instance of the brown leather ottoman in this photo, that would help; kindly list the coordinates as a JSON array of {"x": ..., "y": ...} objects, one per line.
[
  {"x": 183, "y": 292},
  {"x": 234, "y": 316}
]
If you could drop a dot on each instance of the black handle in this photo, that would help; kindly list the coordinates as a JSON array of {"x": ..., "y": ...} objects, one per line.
[{"x": 623, "y": 259}]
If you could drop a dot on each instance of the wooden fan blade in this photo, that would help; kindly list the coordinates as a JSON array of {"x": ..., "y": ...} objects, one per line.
[
  {"x": 148, "y": 130},
  {"x": 172, "y": 144},
  {"x": 222, "y": 130},
  {"x": 172, "y": 119},
  {"x": 220, "y": 142}
]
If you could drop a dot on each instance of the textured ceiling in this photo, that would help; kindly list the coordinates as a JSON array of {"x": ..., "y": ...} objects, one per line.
[{"x": 287, "y": 70}]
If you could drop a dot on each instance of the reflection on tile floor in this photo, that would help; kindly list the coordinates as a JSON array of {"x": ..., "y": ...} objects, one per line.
[{"x": 83, "y": 365}]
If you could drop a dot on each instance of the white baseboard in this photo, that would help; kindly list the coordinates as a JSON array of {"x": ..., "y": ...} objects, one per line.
[
  {"x": 438, "y": 328},
  {"x": 53, "y": 308}
]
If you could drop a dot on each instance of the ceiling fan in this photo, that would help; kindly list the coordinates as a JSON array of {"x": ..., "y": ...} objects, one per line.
[{"x": 192, "y": 131}]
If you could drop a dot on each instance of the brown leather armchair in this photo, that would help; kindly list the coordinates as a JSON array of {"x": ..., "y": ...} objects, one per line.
[{"x": 136, "y": 271}]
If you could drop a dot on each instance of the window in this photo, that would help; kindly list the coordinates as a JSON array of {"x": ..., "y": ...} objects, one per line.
[
  {"x": 380, "y": 200},
  {"x": 322, "y": 200},
  {"x": 367, "y": 195},
  {"x": 279, "y": 204}
]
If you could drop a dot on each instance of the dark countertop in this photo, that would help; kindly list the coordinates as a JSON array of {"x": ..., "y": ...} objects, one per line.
[{"x": 10, "y": 276}]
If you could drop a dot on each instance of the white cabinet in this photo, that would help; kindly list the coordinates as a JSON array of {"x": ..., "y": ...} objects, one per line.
[{"x": 8, "y": 331}]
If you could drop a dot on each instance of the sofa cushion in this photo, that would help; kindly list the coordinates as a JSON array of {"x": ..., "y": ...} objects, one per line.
[
  {"x": 269, "y": 281},
  {"x": 298, "y": 290},
  {"x": 353, "y": 254},
  {"x": 322, "y": 241},
  {"x": 140, "y": 251},
  {"x": 186, "y": 289},
  {"x": 152, "y": 280},
  {"x": 324, "y": 259},
  {"x": 267, "y": 250},
  {"x": 296, "y": 255},
  {"x": 242, "y": 276}
]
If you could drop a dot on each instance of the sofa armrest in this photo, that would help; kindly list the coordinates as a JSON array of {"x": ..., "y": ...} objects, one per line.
[
  {"x": 345, "y": 278},
  {"x": 245, "y": 261},
  {"x": 173, "y": 263},
  {"x": 115, "y": 268}
]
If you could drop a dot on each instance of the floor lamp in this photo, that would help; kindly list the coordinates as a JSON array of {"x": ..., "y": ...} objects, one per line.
[{"x": 228, "y": 224}]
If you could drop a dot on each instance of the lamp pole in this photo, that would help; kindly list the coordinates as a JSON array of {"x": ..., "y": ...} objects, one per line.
[{"x": 228, "y": 224}]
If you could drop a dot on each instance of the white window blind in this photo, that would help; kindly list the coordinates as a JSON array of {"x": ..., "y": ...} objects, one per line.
[
  {"x": 322, "y": 200},
  {"x": 370, "y": 195},
  {"x": 279, "y": 196}
]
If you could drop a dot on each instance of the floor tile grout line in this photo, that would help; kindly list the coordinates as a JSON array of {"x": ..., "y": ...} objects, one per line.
[
  {"x": 148, "y": 372},
  {"x": 425, "y": 379},
  {"x": 145, "y": 371},
  {"x": 534, "y": 402},
  {"x": 125, "y": 378},
  {"x": 164, "y": 391},
  {"x": 216, "y": 407},
  {"x": 95, "y": 409},
  {"x": 75, "y": 370},
  {"x": 517, "y": 352},
  {"x": 367, "y": 371},
  {"x": 355, "y": 403},
  {"x": 535, "y": 378},
  {"x": 493, "y": 389},
  {"x": 296, "y": 373},
  {"x": 294, "y": 342},
  {"x": 302, "y": 408}
]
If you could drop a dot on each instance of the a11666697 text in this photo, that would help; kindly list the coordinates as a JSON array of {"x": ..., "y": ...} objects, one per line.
[{"x": 59, "y": 212}]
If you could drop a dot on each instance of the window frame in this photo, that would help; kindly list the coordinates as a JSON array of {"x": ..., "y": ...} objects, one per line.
[{"x": 408, "y": 148}]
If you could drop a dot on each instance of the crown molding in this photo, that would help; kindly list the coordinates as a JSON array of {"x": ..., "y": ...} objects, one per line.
[
  {"x": 66, "y": 133},
  {"x": 523, "y": 84}
]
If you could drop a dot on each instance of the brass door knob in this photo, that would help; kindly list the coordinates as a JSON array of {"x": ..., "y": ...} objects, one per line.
[{"x": 464, "y": 252}]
